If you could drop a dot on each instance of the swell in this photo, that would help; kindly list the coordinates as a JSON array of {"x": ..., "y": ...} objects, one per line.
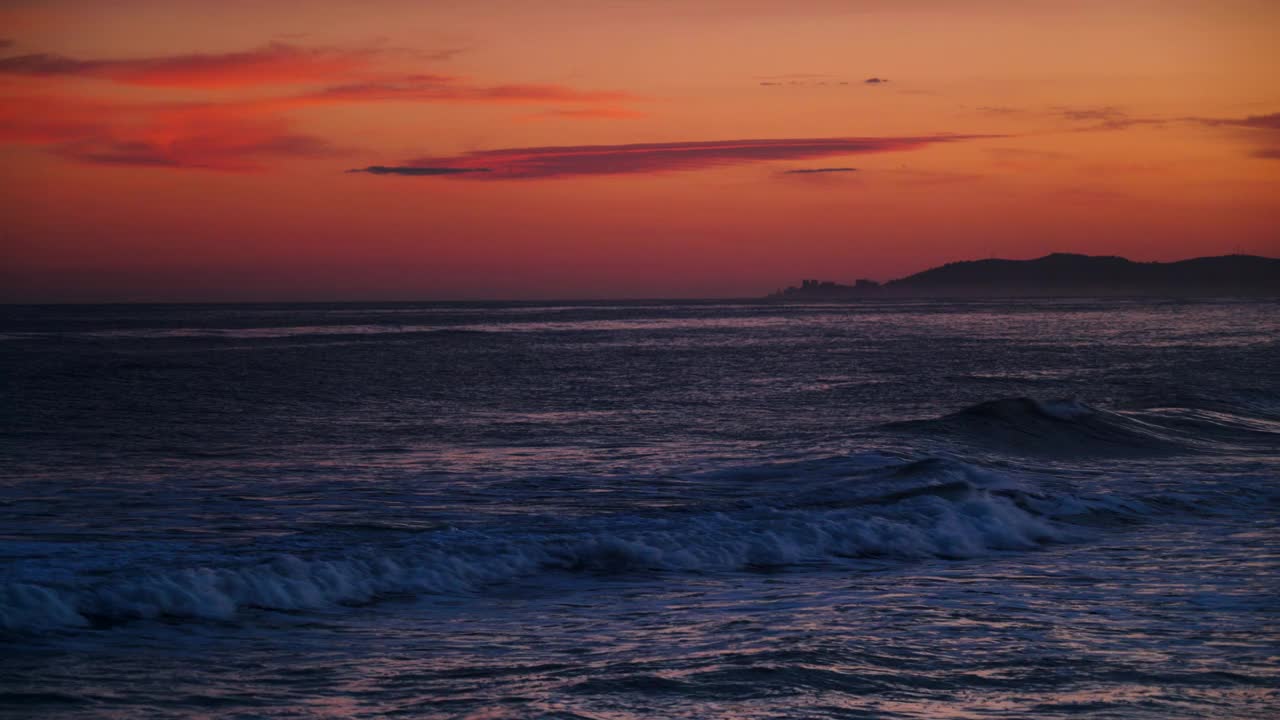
[
  {"x": 1071, "y": 428},
  {"x": 768, "y": 516},
  {"x": 938, "y": 515}
]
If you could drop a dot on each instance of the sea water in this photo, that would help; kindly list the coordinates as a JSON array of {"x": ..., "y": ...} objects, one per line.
[{"x": 888, "y": 509}]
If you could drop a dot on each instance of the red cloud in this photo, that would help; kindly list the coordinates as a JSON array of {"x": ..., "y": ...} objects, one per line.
[
  {"x": 227, "y": 134},
  {"x": 43, "y": 119},
  {"x": 548, "y": 162},
  {"x": 157, "y": 135}
]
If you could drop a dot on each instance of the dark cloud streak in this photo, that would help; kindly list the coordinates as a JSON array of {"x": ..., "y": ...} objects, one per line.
[
  {"x": 648, "y": 158},
  {"x": 274, "y": 64},
  {"x": 1256, "y": 122},
  {"x": 226, "y": 153},
  {"x": 415, "y": 171},
  {"x": 807, "y": 171}
]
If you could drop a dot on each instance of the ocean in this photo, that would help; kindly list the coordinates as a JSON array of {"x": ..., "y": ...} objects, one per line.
[{"x": 1039, "y": 508}]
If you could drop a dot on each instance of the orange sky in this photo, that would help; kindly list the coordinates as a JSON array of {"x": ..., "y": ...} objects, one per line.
[{"x": 185, "y": 150}]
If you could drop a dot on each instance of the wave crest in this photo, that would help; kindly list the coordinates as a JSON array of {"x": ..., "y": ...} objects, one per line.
[
  {"x": 1070, "y": 427},
  {"x": 948, "y": 519}
]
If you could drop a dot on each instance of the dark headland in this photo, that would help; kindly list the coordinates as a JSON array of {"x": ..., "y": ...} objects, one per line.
[{"x": 1064, "y": 274}]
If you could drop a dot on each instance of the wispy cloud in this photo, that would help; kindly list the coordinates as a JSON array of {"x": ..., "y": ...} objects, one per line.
[
  {"x": 807, "y": 171},
  {"x": 242, "y": 151},
  {"x": 646, "y": 158},
  {"x": 416, "y": 171},
  {"x": 1114, "y": 117},
  {"x": 810, "y": 80},
  {"x": 800, "y": 80},
  {"x": 1102, "y": 117},
  {"x": 1086, "y": 117},
  {"x": 442, "y": 88},
  {"x": 274, "y": 64},
  {"x": 588, "y": 113},
  {"x": 1102, "y": 113},
  {"x": 1262, "y": 131},
  {"x": 795, "y": 76},
  {"x": 999, "y": 110},
  {"x": 1011, "y": 153},
  {"x": 1255, "y": 122}
]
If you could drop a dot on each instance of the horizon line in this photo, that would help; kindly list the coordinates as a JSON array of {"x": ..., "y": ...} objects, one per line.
[{"x": 629, "y": 298}]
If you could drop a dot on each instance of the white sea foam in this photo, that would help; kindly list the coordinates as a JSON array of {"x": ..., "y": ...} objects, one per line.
[{"x": 973, "y": 522}]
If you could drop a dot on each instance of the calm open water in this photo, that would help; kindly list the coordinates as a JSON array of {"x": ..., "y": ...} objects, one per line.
[{"x": 1048, "y": 508}]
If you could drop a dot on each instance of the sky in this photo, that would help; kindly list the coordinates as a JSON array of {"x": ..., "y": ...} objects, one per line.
[{"x": 155, "y": 151}]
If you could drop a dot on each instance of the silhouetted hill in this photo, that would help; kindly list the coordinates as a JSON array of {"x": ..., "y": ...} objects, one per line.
[{"x": 1068, "y": 274}]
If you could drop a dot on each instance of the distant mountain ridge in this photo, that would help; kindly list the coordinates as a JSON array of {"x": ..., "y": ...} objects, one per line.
[{"x": 1067, "y": 274}]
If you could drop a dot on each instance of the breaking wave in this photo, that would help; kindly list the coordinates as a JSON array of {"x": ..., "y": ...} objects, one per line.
[
  {"x": 948, "y": 510},
  {"x": 797, "y": 514}
]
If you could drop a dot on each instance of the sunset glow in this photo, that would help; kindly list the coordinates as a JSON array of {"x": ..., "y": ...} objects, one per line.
[{"x": 408, "y": 150}]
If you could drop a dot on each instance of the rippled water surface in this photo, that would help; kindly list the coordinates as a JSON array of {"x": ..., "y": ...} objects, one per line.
[{"x": 1049, "y": 508}]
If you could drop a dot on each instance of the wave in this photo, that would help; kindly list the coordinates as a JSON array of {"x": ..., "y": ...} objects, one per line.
[
  {"x": 1069, "y": 427},
  {"x": 939, "y": 515},
  {"x": 665, "y": 324}
]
